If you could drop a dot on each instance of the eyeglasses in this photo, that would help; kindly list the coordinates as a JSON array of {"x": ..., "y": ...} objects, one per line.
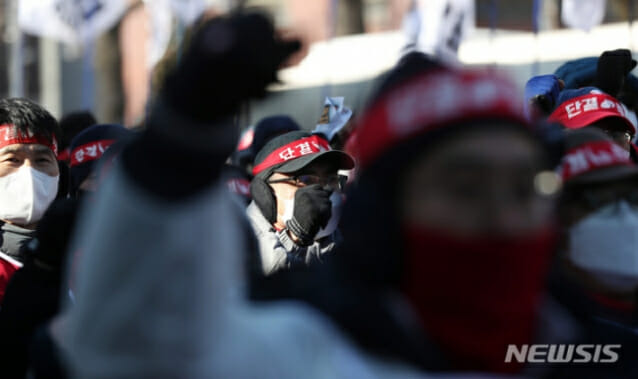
[
  {"x": 619, "y": 137},
  {"x": 333, "y": 182}
]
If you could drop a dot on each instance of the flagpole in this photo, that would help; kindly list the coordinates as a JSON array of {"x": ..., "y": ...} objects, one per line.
[
  {"x": 536, "y": 11},
  {"x": 332, "y": 29},
  {"x": 493, "y": 15},
  {"x": 16, "y": 73},
  {"x": 631, "y": 25}
]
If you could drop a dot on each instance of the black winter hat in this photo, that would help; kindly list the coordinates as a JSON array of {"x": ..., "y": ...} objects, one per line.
[
  {"x": 89, "y": 146},
  {"x": 265, "y": 130},
  {"x": 73, "y": 124},
  {"x": 290, "y": 152},
  {"x": 271, "y": 127}
]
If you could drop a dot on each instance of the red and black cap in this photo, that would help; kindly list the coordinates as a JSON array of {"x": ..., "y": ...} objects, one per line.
[{"x": 295, "y": 150}]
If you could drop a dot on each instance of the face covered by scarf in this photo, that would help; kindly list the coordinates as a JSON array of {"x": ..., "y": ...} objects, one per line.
[{"x": 476, "y": 296}]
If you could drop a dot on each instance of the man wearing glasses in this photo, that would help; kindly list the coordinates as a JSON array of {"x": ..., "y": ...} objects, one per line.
[
  {"x": 297, "y": 193},
  {"x": 599, "y": 210},
  {"x": 591, "y": 108}
]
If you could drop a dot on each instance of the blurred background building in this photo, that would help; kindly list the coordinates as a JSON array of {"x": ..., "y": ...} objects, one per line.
[{"x": 349, "y": 43}]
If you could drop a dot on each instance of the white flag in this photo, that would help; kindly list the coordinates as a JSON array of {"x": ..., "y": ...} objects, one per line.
[
  {"x": 443, "y": 25},
  {"x": 583, "y": 14},
  {"x": 333, "y": 118},
  {"x": 70, "y": 21}
]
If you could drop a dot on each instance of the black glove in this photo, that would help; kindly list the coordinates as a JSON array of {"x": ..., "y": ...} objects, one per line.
[
  {"x": 190, "y": 130},
  {"x": 230, "y": 60},
  {"x": 312, "y": 212},
  {"x": 613, "y": 67}
]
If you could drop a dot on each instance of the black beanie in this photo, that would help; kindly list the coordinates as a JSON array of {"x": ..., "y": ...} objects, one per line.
[{"x": 88, "y": 147}]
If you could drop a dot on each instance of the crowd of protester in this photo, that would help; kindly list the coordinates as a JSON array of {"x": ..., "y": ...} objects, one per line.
[{"x": 454, "y": 222}]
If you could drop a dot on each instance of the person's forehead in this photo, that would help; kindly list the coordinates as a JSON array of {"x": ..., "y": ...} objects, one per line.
[
  {"x": 279, "y": 175},
  {"x": 29, "y": 148},
  {"x": 612, "y": 123},
  {"x": 488, "y": 148},
  {"x": 320, "y": 167}
]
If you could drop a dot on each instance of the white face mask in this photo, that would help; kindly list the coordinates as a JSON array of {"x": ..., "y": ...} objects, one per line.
[
  {"x": 289, "y": 206},
  {"x": 26, "y": 194},
  {"x": 606, "y": 245},
  {"x": 337, "y": 201}
]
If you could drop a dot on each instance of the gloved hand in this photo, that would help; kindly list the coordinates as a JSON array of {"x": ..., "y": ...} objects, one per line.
[
  {"x": 612, "y": 69},
  {"x": 312, "y": 212},
  {"x": 541, "y": 94},
  {"x": 230, "y": 60},
  {"x": 190, "y": 130},
  {"x": 578, "y": 73}
]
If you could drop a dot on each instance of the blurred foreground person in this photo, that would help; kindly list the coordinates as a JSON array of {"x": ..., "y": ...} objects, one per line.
[
  {"x": 453, "y": 170},
  {"x": 29, "y": 175},
  {"x": 295, "y": 188},
  {"x": 162, "y": 294},
  {"x": 34, "y": 293}
]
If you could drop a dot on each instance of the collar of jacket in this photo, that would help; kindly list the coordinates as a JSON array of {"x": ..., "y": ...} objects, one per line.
[{"x": 12, "y": 238}]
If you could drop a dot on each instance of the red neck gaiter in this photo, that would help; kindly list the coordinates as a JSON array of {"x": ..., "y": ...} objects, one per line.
[{"x": 476, "y": 296}]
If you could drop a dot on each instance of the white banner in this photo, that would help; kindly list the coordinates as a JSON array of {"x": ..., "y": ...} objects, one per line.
[
  {"x": 70, "y": 21},
  {"x": 443, "y": 24},
  {"x": 583, "y": 14}
]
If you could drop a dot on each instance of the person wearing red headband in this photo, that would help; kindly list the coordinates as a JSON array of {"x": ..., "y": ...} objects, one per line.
[
  {"x": 296, "y": 197},
  {"x": 589, "y": 107},
  {"x": 29, "y": 175},
  {"x": 86, "y": 151},
  {"x": 599, "y": 213}
]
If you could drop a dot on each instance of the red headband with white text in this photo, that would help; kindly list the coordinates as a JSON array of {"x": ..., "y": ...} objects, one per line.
[
  {"x": 432, "y": 101},
  {"x": 592, "y": 156},
  {"x": 89, "y": 152},
  {"x": 293, "y": 150},
  {"x": 11, "y": 135}
]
